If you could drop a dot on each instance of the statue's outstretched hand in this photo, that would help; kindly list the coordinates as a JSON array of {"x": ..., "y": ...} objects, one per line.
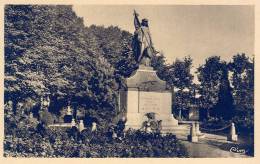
[{"x": 135, "y": 13}]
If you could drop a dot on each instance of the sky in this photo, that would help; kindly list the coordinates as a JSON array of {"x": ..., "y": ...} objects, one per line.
[{"x": 198, "y": 31}]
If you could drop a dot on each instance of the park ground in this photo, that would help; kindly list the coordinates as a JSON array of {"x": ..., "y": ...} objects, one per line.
[{"x": 213, "y": 146}]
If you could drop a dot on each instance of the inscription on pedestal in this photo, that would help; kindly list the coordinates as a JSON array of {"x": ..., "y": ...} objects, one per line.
[
  {"x": 153, "y": 102},
  {"x": 149, "y": 102}
]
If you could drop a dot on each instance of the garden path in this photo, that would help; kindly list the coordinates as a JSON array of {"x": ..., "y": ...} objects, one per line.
[{"x": 212, "y": 146}]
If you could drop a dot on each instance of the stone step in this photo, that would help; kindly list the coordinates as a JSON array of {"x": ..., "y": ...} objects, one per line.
[{"x": 178, "y": 130}]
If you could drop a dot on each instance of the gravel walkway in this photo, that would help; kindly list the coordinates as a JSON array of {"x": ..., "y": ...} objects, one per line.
[{"x": 212, "y": 146}]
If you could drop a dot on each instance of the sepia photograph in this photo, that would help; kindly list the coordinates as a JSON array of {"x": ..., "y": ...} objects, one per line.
[{"x": 129, "y": 81}]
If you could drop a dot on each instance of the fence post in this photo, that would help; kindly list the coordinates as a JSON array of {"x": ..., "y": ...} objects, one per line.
[
  {"x": 198, "y": 132},
  {"x": 73, "y": 123},
  {"x": 81, "y": 125},
  {"x": 197, "y": 124},
  {"x": 193, "y": 136},
  {"x": 94, "y": 126},
  {"x": 232, "y": 135}
]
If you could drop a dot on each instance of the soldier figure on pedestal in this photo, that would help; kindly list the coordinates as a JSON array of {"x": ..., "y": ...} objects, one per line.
[{"x": 142, "y": 42}]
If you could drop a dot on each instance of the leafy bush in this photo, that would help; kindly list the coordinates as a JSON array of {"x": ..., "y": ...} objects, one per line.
[
  {"x": 62, "y": 142},
  {"x": 245, "y": 123}
]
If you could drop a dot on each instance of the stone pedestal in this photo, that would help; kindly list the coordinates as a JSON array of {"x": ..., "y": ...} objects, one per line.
[{"x": 146, "y": 93}]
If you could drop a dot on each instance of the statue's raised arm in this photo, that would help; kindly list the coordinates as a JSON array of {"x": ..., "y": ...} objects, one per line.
[
  {"x": 136, "y": 20},
  {"x": 142, "y": 42}
]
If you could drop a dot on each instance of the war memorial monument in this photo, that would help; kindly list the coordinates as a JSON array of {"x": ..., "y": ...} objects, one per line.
[
  {"x": 76, "y": 85},
  {"x": 146, "y": 93}
]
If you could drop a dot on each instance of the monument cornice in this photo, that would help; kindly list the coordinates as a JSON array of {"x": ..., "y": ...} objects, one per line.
[{"x": 146, "y": 79}]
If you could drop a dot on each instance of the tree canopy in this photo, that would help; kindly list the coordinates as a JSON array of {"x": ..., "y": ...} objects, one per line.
[{"x": 49, "y": 51}]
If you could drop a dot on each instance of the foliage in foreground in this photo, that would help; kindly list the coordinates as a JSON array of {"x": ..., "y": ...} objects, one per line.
[{"x": 71, "y": 143}]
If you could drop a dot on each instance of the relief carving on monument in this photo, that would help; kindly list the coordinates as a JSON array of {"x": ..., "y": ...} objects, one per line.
[{"x": 148, "y": 85}]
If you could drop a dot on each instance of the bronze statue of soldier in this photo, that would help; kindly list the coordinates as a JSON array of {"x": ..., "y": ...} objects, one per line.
[{"x": 142, "y": 42}]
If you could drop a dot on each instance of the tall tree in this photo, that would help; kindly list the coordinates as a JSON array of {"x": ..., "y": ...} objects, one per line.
[
  {"x": 209, "y": 76},
  {"x": 225, "y": 105},
  {"x": 158, "y": 62},
  {"x": 182, "y": 80},
  {"x": 242, "y": 70},
  {"x": 48, "y": 50},
  {"x": 115, "y": 46}
]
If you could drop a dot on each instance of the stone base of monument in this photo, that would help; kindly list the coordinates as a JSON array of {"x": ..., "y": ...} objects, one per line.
[
  {"x": 201, "y": 135},
  {"x": 136, "y": 120},
  {"x": 146, "y": 93},
  {"x": 180, "y": 130}
]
